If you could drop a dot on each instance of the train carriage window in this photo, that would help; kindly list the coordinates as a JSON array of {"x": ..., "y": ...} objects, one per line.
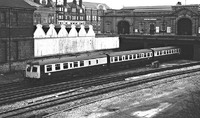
[
  {"x": 172, "y": 51},
  {"x": 142, "y": 55},
  {"x": 65, "y": 65},
  {"x": 130, "y": 57},
  {"x": 126, "y": 57},
  {"x": 175, "y": 50},
  {"x": 123, "y": 57},
  {"x": 116, "y": 59},
  {"x": 89, "y": 62},
  {"x": 145, "y": 55},
  {"x": 157, "y": 53},
  {"x": 34, "y": 69},
  {"x": 97, "y": 61},
  {"x": 164, "y": 52},
  {"x": 57, "y": 66},
  {"x": 138, "y": 55},
  {"x": 160, "y": 53},
  {"x": 71, "y": 65},
  {"x": 49, "y": 67},
  {"x": 134, "y": 56},
  {"x": 120, "y": 58},
  {"x": 81, "y": 63},
  {"x": 148, "y": 54},
  {"x": 76, "y": 64},
  {"x": 178, "y": 50}
]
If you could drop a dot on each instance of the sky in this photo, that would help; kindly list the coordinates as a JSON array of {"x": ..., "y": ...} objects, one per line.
[{"x": 118, "y": 4}]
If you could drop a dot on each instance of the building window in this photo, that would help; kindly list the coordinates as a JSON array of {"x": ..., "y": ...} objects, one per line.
[
  {"x": 51, "y": 18},
  {"x": 60, "y": 16},
  {"x": 65, "y": 9},
  {"x": 14, "y": 17},
  {"x": 73, "y": 9},
  {"x": 2, "y": 19},
  {"x": 141, "y": 27},
  {"x": 163, "y": 27},
  {"x": 73, "y": 17},
  {"x": 81, "y": 11}
]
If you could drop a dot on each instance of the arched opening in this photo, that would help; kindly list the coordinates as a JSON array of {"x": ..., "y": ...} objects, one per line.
[
  {"x": 184, "y": 26},
  {"x": 152, "y": 28},
  {"x": 123, "y": 27}
]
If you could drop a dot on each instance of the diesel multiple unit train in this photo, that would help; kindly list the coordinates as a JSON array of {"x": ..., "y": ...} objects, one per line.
[{"x": 86, "y": 64}]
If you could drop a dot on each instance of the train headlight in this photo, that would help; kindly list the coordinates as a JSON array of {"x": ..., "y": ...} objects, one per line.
[{"x": 49, "y": 74}]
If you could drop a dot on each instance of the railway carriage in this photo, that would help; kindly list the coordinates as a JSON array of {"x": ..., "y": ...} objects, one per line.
[
  {"x": 68, "y": 67},
  {"x": 132, "y": 58},
  {"x": 166, "y": 53}
]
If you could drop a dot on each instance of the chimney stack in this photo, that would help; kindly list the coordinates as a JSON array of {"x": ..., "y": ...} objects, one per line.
[
  {"x": 80, "y": 3},
  {"x": 65, "y": 3},
  {"x": 74, "y": 1},
  {"x": 37, "y": 1},
  {"x": 49, "y": 3}
]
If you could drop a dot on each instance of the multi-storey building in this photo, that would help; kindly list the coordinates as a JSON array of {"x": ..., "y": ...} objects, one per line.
[
  {"x": 45, "y": 12},
  {"x": 70, "y": 13},
  {"x": 16, "y": 30},
  {"x": 93, "y": 12},
  {"x": 79, "y": 12}
]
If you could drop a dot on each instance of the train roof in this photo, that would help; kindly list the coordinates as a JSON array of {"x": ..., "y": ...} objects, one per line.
[
  {"x": 130, "y": 52},
  {"x": 163, "y": 48},
  {"x": 66, "y": 59}
]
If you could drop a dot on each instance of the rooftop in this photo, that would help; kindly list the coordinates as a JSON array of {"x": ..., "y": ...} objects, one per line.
[{"x": 16, "y": 4}]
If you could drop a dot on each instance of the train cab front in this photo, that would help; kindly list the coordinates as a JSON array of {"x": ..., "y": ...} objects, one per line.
[{"x": 32, "y": 71}]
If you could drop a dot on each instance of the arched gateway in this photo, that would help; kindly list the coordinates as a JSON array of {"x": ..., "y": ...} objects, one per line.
[
  {"x": 123, "y": 27},
  {"x": 184, "y": 26}
]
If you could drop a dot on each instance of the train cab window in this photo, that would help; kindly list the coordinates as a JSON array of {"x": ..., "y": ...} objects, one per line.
[
  {"x": 76, "y": 64},
  {"x": 81, "y": 63},
  {"x": 34, "y": 69},
  {"x": 57, "y": 66},
  {"x": 28, "y": 69},
  {"x": 65, "y": 65},
  {"x": 49, "y": 67}
]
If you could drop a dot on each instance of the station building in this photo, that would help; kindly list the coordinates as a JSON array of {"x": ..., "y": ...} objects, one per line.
[{"x": 153, "y": 20}]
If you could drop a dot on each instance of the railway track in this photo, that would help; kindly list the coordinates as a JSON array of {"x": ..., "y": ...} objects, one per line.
[
  {"x": 73, "y": 95},
  {"x": 15, "y": 94}
]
